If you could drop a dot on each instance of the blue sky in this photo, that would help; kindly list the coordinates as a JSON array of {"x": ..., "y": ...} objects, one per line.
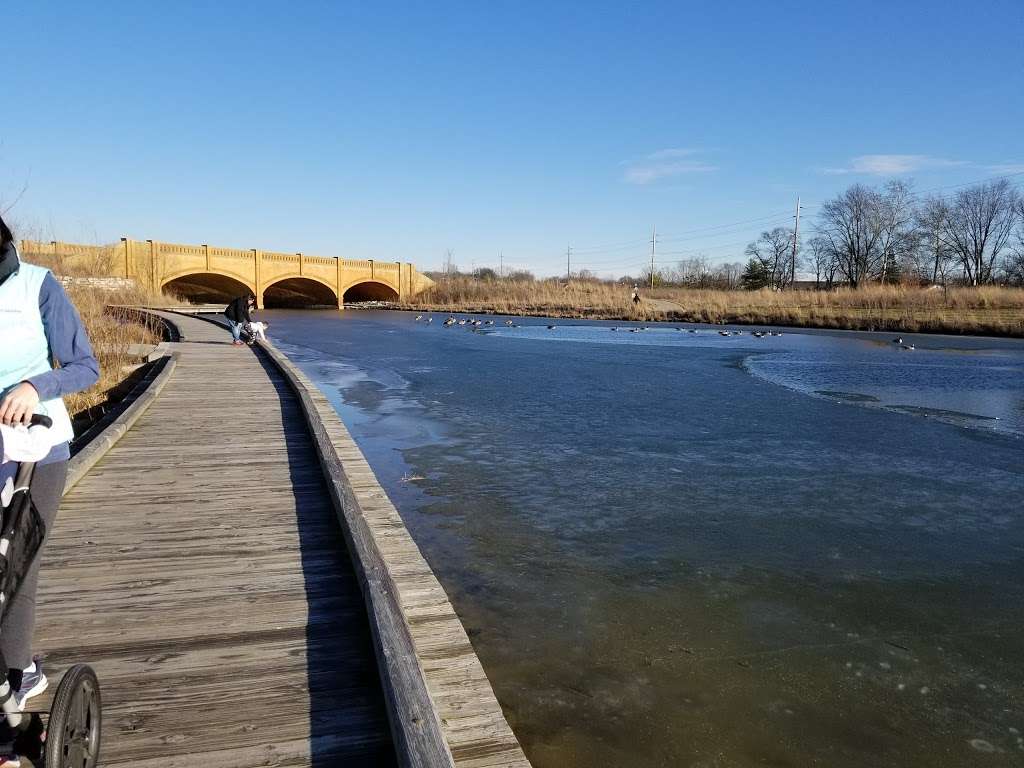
[{"x": 397, "y": 131}]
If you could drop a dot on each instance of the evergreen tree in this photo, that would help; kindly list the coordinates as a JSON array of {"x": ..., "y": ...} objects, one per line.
[{"x": 754, "y": 276}]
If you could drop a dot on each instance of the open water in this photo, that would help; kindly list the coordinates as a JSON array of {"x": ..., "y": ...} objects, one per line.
[{"x": 675, "y": 548}]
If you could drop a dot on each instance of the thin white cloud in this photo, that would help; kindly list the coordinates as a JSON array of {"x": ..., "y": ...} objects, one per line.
[
  {"x": 1006, "y": 169},
  {"x": 672, "y": 153},
  {"x": 893, "y": 165},
  {"x": 665, "y": 164}
]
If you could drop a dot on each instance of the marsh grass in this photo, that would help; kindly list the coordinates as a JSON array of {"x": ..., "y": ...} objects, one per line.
[
  {"x": 112, "y": 334},
  {"x": 527, "y": 297},
  {"x": 984, "y": 310}
]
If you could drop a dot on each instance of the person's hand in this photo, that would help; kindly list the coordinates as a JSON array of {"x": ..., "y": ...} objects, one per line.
[{"x": 19, "y": 404}]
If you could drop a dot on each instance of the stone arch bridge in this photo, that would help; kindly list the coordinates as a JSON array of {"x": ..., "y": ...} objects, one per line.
[{"x": 206, "y": 273}]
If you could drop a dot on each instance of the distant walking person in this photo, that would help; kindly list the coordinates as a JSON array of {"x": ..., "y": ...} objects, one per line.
[
  {"x": 237, "y": 314},
  {"x": 636, "y": 295},
  {"x": 38, "y": 327}
]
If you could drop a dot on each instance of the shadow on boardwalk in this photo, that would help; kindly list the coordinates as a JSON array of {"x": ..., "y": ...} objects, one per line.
[{"x": 344, "y": 690}]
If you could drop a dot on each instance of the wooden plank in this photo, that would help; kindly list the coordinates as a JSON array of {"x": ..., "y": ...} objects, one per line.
[{"x": 199, "y": 567}]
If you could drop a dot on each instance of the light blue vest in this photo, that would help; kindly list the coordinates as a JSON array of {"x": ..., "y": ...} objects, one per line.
[{"x": 24, "y": 350}]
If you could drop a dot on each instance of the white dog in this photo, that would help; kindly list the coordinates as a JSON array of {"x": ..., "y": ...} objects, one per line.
[{"x": 258, "y": 329}]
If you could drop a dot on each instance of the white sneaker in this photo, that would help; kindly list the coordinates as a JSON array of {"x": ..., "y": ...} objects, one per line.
[{"x": 33, "y": 683}]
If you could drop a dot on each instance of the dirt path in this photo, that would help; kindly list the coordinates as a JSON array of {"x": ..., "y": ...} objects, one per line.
[{"x": 662, "y": 305}]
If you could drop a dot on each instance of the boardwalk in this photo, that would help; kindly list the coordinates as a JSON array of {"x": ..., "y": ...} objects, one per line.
[{"x": 200, "y": 569}]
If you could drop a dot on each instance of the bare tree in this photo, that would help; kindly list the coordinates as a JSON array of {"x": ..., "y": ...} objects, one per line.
[
  {"x": 823, "y": 261},
  {"x": 695, "y": 273},
  {"x": 934, "y": 254},
  {"x": 449, "y": 269},
  {"x": 897, "y": 233},
  {"x": 978, "y": 225},
  {"x": 774, "y": 251},
  {"x": 728, "y": 275},
  {"x": 646, "y": 277},
  {"x": 1013, "y": 268},
  {"x": 851, "y": 225}
]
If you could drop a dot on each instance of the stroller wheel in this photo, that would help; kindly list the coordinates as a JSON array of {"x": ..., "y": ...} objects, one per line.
[{"x": 73, "y": 733}]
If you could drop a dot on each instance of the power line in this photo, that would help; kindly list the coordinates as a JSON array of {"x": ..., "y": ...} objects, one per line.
[
  {"x": 618, "y": 260},
  {"x": 730, "y": 232},
  {"x": 686, "y": 233},
  {"x": 716, "y": 247},
  {"x": 625, "y": 247}
]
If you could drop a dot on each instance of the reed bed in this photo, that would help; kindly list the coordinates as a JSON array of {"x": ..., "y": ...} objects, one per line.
[{"x": 986, "y": 310}]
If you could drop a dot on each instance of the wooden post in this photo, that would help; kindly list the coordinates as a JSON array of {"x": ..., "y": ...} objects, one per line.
[{"x": 126, "y": 248}]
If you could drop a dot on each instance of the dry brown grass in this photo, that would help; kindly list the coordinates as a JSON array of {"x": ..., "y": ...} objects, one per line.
[
  {"x": 987, "y": 310},
  {"x": 112, "y": 335},
  {"x": 111, "y": 332},
  {"x": 545, "y": 297}
]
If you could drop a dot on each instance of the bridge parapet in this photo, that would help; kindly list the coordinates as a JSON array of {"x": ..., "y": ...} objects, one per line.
[{"x": 176, "y": 265}]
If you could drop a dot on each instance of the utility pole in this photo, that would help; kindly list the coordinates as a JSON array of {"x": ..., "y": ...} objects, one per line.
[
  {"x": 568, "y": 271},
  {"x": 796, "y": 237},
  {"x": 654, "y": 240}
]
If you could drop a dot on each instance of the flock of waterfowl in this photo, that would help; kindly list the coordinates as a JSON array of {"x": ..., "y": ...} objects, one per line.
[
  {"x": 453, "y": 321},
  {"x": 476, "y": 323}
]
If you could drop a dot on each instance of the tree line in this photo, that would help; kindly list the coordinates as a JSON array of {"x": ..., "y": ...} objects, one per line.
[
  {"x": 865, "y": 235},
  {"x": 889, "y": 235},
  {"x": 885, "y": 234}
]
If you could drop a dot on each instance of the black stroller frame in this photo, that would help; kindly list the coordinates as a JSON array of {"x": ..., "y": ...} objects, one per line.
[
  {"x": 70, "y": 736},
  {"x": 247, "y": 334}
]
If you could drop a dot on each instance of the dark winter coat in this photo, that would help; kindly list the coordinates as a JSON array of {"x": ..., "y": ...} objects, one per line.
[{"x": 238, "y": 310}]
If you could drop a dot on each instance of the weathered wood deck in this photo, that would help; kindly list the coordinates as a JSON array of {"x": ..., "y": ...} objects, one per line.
[{"x": 199, "y": 567}]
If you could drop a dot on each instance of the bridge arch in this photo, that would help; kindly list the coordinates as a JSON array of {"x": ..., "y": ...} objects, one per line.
[
  {"x": 206, "y": 287},
  {"x": 369, "y": 290},
  {"x": 298, "y": 291}
]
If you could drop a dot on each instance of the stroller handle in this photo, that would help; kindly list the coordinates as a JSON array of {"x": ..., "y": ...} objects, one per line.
[{"x": 39, "y": 420}]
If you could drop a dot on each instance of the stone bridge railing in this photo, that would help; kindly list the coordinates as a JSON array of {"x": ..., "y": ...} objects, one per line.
[{"x": 158, "y": 264}]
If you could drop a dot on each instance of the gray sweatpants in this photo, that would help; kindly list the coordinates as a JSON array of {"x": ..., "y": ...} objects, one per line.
[{"x": 20, "y": 617}]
